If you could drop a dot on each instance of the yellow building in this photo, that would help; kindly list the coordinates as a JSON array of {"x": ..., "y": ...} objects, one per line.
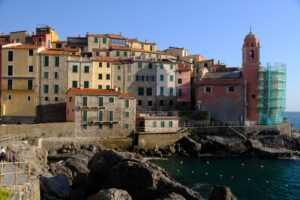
[{"x": 19, "y": 84}]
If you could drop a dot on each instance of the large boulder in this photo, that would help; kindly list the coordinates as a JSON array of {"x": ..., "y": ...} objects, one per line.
[
  {"x": 27, "y": 153},
  {"x": 222, "y": 193},
  {"x": 190, "y": 146},
  {"x": 142, "y": 180},
  {"x": 172, "y": 196},
  {"x": 111, "y": 194},
  {"x": 56, "y": 187}
]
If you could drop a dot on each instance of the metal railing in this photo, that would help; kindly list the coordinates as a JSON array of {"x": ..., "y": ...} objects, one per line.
[
  {"x": 14, "y": 173},
  {"x": 6, "y": 138}
]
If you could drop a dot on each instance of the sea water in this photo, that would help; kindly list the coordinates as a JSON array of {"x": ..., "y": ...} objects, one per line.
[{"x": 248, "y": 178}]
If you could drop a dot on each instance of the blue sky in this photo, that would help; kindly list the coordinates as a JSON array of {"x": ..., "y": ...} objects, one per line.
[{"x": 212, "y": 28}]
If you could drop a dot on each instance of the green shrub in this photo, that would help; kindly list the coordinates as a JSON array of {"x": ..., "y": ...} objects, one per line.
[{"x": 4, "y": 193}]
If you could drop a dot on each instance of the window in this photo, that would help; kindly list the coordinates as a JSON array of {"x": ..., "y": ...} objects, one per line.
[
  {"x": 149, "y": 91},
  {"x": 56, "y": 75},
  {"x": 56, "y": 61},
  {"x": 253, "y": 96},
  {"x": 161, "y": 102},
  {"x": 141, "y": 91},
  {"x": 128, "y": 78},
  {"x": 46, "y": 99},
  {"x": 30, "y": 52},
  {"x": 9, "y": 97},
  {"x": 171, "y": 102},
  {"x": 207, "y": 89},
  {"x": 99, "y": 86},
  {"x": 30, "y": 68},
  {"x": 111, "y": 100},
  {"x": 84, "y": 101},
  {"x": 151, "y": 48},
  {"x": 180, "y": 92},
  {"x": 126, "y": 114},
  {"x": 97, "y": 53},
  {"x": 127, "y": 103},
  {"x": 161, "y": 77},
  {"x": 111, "y": 115},
  {"x": 56, "y": 99},
  {"x": 171, "y": 66},
  {"x": 161, "y": 66},
  {"x": 171, "y": 91},
  {"x": 126, "y": 126},
  {"x": 46, "y": 61},
  {"x": 125, "y": 53},
  {"x": 100, "y": 64},
  {"x": 84, "y": 126},
  {"x": 107, "y": 87},
  {"x": 129, "y": 68},
  {"x": 171, "y": 78},
  {"x": 179, "y": 81},
  {"x": 170, "y": 124},
  {"x": 107, "y": 76},
  {"x": 107, "y": 65},
  {"x": 84, "y": 115},
  {"x": 9, "y": 84},
  {"x": 104, "y": 40},
  {"x": 252, "y": 54},
  {"x": 161, "y": 90},
  {"x": 149, "y": 103},
  {"x": 110, "y": 126},
  {"x": 95, "y": 40},
  {"x": 107, "y": 54},
  {"x": 133, "y": 53},
  {"x": 100, "y": 101},
  {"x": 74, "y": 84},
  {"x": 86, "y": 84},
  {"x": 10, "y": 70},
  {"x": 75, "y": 68},
  {"x": 86, "y": 69},
  {"x": 28, "y": 98},
  {"x": 150, "y": 65},
  {"x": 231, "y": 89},
  {"x": 70, "y": 99},
  {"x": 100, "y": 76},
  {"x": 162, "y": 124},
  {"x": 46, "y": 89},
  {"x": 140, "y": 65},
  {"x": 153, "y": 124},
  {"x": 10, "y": 56},
  {"x": 55, "y": 89},
  {"x": 119, "y": 67},
  {"x": 30, "y": 84},
  {"x": 119, "y": 78},
  {"x": 139, "y": 102},
  {"x": 117, "y": 53},
  {"x": 46, "y": 74},
  {"x": 100, "y": 115},
  {"x": 118, "y": 41},
  {"x": 100, "y": 126}
]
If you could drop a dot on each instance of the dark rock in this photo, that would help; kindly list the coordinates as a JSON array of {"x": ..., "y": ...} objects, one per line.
[
  {"x": 60, "y": 168},
  {"x": 189, "y": 145},
  {"x": 55, "y": 187},
  {"x": 111, "y": 194},
  {"x": 222, "y": 193},
  {"x": 172, "y": 196}
]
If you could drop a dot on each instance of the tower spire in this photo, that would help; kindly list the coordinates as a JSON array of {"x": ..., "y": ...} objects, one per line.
[{"x": 250, "y": 28}]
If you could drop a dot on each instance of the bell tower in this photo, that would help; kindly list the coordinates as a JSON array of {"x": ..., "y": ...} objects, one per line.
[{"x": 250, "y": 68}]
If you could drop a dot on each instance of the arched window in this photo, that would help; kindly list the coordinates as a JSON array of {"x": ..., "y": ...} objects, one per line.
[{"x": 252, "y": 54}]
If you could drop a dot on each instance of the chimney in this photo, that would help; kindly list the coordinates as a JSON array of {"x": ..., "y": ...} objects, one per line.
[
  {"x": 121, "y": 33},
  {"x": 32, "y": 33},
  {"x": 116, "y": 88},
  {"x": 81, "y": 87}
]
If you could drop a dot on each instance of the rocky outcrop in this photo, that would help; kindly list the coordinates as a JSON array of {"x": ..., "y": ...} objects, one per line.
[
  {"x": 111, "y": 194},
  {"x": 222, "y": 193},
  {"x": 141, "y": 179},
  {"x": 172, "y": 196},
  {"x": 191, "y": 147},
  {"x": 55, "y": 188},
  {"x": 27, "y": 153}
]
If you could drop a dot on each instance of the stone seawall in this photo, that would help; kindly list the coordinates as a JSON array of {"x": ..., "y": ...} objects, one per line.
[
  {"x": 27, "y": 191},
  {"x": 61, "y": 129}
]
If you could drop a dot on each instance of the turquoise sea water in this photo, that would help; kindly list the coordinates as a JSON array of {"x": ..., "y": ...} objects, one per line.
[{"x": 248, "y": 178}]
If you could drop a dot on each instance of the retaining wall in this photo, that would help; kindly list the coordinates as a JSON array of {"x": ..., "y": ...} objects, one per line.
[{"x": 27, "y": 191}]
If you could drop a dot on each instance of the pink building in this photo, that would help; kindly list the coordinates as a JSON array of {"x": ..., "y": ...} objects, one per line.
[{"x": 183, "y": 92}]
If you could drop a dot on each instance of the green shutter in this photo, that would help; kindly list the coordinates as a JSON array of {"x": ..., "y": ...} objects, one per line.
[
  {"x": 161, "y": 77},
  {"x": 55, "y": 89},
  {"x": 119, "y": 67},
  {"x": 46, "y": 89},
  {"x": 107, "y": 87},
  {"x": 86, "y": 69},
  {"x": 100, "y": 126},
  {"x": 84, "y": 115},
  {"x": 161, "y": 66},
  {"x": 111, "y": 100},
  {"x": 126, "y": 125},
  {"x": 46, "y": 61},
  {"x": 99, "y": 86},
  {"x": 171, "y": 91},
  {"x": 125, "y": 53},
  {"x": 179, "y": 80},
  {"x": 104, "y": 40},
  {"x": 97, "y": 53},
  {"x": 127, "y": 103},
  {"x": 153, "y": 124},
  {"x": 84, "y": 101},
  {"x": 100, "y": 101},
  {"x": 171, "y": 66},
  {"x": 95, "y": 40},
  {"x": 162, "y": 124},
  {"x": 56, "y": 61},
  {"x": 111, "y": 115},
  {"x": 119, "y": 78},
  {"x": 75, "y": 68},
  {"x": 117, "y": 53},
  {"x": 170, "y": 124},
  {"x": 126, "y": 114},
  {"x": 171, "y": 78},
  {"x": 74, "y": 84},
  {"x": 86, "y": 84},
  {"x": 100, "y": 117}
]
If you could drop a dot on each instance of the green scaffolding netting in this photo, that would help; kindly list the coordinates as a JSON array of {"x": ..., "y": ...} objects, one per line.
[{"x": 271, "y": 94}]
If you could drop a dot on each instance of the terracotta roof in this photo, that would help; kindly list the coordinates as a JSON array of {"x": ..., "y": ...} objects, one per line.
[
  {"x": 23, "y": 46},
  {"x": 183, "y": 68},
  {"x": 118, "y": 47},
  {"x": 4, "y": 36},
  {"x": 99, "y": 91},
  {"x": 114, "y": 36},
  {"x": 74, "y": 37},
  {"x": 64, "y": 49},
  {"x": 105, "y": 59},
  {"x": 54, "y": 52},
  {"x": 99, "y": 49},
  {"x": 206, "y": 60},
  {"x": 132, "y": 40},
  {"x": 59, "y": 41},
  {"x": 153, "y": 43},
  {"x": 96, "y": 35},
  {"x": 77, "y": 44}
]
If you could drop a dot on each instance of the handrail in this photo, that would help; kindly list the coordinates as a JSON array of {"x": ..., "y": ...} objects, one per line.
[
  {"x": 19, "y": 169},
  {"x": 12, "y": 137}
]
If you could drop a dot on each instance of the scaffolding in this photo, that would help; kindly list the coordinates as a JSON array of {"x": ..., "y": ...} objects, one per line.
[{"x": 271, "y": 94}]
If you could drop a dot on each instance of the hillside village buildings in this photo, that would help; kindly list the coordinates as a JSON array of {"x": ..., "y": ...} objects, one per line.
[{"x": 38, "y": 70}]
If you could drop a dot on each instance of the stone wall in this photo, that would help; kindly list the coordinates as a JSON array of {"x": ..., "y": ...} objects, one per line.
[
  {"x": 51, "y": 113},
  {"x": 27, "y": 191},
  {"x": 62, "y": 129}
]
